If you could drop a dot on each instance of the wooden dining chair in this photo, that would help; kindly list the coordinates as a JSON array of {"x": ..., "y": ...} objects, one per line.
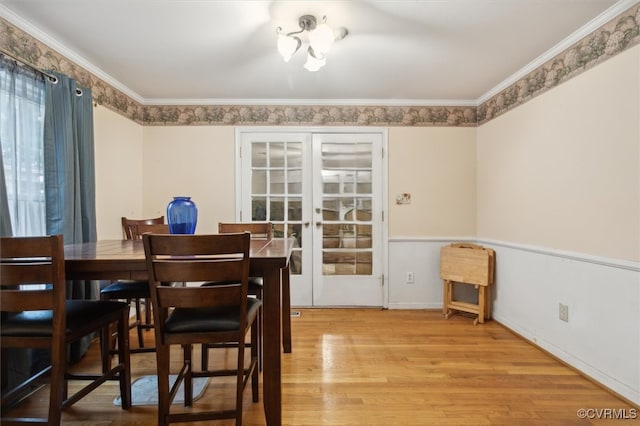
[
  {"x": 257, "y": 230},
  {"x": 36, "y": 314},
  {"x": 260, "y": 230},
  {"x": 133, "y": 291},
  {"x": 193, "y": 314},
  {"x": 265, "y": 230}
]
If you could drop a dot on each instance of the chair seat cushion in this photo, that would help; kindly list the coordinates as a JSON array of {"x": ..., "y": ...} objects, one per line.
[
  {"x": 254, "y": 282},
  {"x": 126, "y": 289},
  {"x": 188, "y": 320},
  {"x": 80, "y": 313}
]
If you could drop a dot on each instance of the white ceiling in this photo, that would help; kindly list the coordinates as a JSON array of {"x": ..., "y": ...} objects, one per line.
[{"x": 397, "y": 51}]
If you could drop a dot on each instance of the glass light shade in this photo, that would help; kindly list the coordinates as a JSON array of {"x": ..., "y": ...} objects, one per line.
[
  {"x": 321, "y": 38},
  {"x": 287, "y": 46},
  {"x": 313, "y": 63}
]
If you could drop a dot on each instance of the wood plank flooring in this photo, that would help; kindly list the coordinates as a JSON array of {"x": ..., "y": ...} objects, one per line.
[{"x": 389, "y": 367}]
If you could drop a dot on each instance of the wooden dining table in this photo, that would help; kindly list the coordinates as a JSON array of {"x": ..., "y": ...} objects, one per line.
[{"x": 125, "y": 259}]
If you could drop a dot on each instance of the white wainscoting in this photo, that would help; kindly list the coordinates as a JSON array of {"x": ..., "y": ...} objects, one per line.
[{"x": 602, "y": 336}]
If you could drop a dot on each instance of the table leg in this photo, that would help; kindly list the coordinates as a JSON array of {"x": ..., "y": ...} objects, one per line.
[
  {"x": 481, "y": 303},
  {"x": 286, "y": 311},
  {"x": 271, "y": 374}
]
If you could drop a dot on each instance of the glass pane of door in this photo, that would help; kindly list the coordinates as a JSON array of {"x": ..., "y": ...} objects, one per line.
[
  {"x": 276, "y": 191},
  {"x": 346, "y": 229},
  {"x": 274, "y": 179},
  {"x": 348, "y": 220}
]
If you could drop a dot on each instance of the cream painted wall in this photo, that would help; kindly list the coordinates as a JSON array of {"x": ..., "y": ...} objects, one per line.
[
  {"x": 568, "y": 159},
  {"x": 118, "y": 156},
  {"x": 562, "y": 171},
  {"x": 195, "y": 161},
  {"x": 437, "y": 166}
]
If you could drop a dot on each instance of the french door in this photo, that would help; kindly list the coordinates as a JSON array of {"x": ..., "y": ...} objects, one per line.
[{"x": 326, "y": 190}]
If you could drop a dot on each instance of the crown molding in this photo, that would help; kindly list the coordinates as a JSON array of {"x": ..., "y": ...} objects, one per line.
[
  {"x": 556, "y": 50},
  {"x": 318, "y": 102}
]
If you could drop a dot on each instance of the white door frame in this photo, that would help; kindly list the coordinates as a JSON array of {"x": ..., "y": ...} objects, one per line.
[{"x": 319, "y": 129}]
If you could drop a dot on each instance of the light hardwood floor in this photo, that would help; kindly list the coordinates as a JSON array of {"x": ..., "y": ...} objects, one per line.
[{"x": 390, "y": 367}]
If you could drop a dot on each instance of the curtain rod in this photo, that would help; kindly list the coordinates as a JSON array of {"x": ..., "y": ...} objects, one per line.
[{"x": 52, "y": 78}]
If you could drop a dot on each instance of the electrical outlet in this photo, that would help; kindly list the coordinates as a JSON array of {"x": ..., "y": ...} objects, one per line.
[
  {"x": 409, "y": 277},
  {"x": 563, "y": 312}
]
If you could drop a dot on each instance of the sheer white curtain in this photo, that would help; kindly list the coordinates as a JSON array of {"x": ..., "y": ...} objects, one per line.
[
  {"x": 22, "y": 102},
  {"x": 22, "y": 192}
]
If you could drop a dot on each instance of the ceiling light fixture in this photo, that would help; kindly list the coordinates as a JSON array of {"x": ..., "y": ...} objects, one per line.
[{"x": 321, "y": 37}]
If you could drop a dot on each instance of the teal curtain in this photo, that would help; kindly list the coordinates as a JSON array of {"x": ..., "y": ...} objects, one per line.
[
  {"x": 69, "y": 175},
  {"x": 69, "y": 161}
]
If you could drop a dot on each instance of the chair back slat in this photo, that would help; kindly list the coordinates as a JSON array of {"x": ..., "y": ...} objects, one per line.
[
  {"x": 149, "y": 228},
  {"x": 199, "y": 297},
  {"x": 35, "y": 271},
  {"x": 185, "y": 245},
  {"x": 15, "y": 300},
  {"x": 198, "y": 269},
  {"x": 262, "y": 230},
  {"x": 129, "y": 226},
  {"x": 29, "y": 247}
]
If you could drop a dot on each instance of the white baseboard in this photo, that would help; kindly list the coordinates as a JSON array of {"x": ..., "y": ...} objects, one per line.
[{"x": 588, "y": 370}]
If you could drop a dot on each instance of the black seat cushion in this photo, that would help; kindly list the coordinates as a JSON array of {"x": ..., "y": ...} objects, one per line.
[
  {"x": 189, "y": 320},
  {"x": 80, "y": 314},
  {"x": 127, "y": 289},
  {"x": 254, "y": 283}
]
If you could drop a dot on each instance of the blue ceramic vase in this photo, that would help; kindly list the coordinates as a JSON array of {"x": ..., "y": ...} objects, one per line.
[{"x": 182, "y": 215}]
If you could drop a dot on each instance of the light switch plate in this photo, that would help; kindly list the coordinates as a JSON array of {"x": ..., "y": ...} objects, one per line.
[{"x": 404, "y": 198}]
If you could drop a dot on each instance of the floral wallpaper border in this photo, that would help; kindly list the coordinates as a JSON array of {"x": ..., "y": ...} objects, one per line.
[{"x": 612, "y": 38}]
